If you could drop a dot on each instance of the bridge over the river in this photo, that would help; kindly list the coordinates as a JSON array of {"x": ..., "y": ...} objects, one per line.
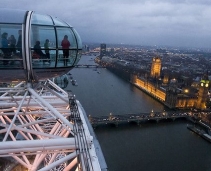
[
  {"x": 88, "y": 66},
  {"x": 140, "y": 118}
]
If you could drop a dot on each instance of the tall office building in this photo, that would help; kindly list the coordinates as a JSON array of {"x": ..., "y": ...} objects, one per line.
[
  {"x": 156, "y": 67},
  {"x": 112, "y": 52},
  {"x": 102, "y": 50},
  {"x": 86, "y": 48}
]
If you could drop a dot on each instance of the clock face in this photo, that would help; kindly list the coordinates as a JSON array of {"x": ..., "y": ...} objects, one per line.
[
  {"x": 206, "y": 85},
  {"x": 202, "y": 84}
]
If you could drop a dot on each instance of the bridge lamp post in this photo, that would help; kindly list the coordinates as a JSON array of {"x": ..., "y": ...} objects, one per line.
[
  {"x": 152, "y": 113},
  {"x": 164, "y": 113},
  {"x": 90, "y": 118},
  {"x": 186, "y": 91},
  {"x": 110, "y": 117}
]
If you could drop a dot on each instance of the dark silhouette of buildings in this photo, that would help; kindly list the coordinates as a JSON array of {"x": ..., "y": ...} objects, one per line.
[{"x": 102, "y": 50}]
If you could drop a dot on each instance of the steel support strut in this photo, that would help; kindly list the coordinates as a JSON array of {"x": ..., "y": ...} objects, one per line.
[{"x": 41, "y": 130}]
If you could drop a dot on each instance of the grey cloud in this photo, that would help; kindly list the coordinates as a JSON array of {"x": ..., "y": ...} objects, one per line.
[{"x": 175, "y": 22}]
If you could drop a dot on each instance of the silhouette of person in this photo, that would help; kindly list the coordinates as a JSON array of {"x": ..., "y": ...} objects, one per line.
[
  {"x": 38, "y": 51},
  {"x": 12, "y": 43},
  {"x": 5, "y": 47},
  {"x": 65, "y": 47},
  {"x": 19, "y": 43},
  {"x": 47, "y": 51}
]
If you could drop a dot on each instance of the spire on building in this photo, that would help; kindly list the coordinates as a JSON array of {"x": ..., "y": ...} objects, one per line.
[{"x": 156, "y": 67}]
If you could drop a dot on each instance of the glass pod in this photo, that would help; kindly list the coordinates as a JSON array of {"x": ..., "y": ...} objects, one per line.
[{"x": 35, "y": 47}]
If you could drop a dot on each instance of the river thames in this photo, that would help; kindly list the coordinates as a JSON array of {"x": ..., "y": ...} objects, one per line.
[{"x": 164, "y": 146}]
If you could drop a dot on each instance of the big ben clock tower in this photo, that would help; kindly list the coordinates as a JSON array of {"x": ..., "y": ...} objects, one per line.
[
  {"x": 155, "y": 67},
  {"x": 202, "y": 94}
]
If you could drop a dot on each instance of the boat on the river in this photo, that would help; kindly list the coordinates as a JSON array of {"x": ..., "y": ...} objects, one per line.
[
  {"x": 200, "y": 132},
  {"x": 74, "y": 82}
]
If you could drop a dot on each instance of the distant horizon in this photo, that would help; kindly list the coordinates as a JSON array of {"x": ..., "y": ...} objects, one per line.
[{"x": 159, "y": 46}]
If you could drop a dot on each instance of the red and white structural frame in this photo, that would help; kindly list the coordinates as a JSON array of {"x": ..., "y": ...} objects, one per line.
[{"x": 43, "y": 127}]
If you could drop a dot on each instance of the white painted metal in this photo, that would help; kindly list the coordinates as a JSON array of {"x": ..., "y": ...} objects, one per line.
[
  {"x": 26, "y": 39},
  {"x": 58, "y": 162},
  {"x": 41, "y": 131}
]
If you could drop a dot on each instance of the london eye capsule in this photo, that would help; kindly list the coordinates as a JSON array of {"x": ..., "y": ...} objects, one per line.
[{"x": 35, "y": 47}]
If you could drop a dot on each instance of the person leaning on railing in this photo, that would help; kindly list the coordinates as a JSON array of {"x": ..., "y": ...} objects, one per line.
[
  {"x": 5, "y": 48},
  {"x": 47, "y": 51},
  {"x": 19, "y": 43},
  {"x": 65, "y": 47},
  {"x": 38, "y": 52},
  {"x": 12, "y": 44}
]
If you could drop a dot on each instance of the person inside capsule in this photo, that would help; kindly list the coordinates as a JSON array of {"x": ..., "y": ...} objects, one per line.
[
  {"x": 31, "y": 33},
  {"x": 5, "y": 48}
]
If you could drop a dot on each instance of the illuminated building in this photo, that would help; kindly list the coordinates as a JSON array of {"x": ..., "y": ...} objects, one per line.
[
  {"x": 156, "y": 67},
  {"x": 170, "y": 96},
  {"x": 149, "y": 88},
  {"x": 177, "y": 99},
  {"x": 203, "y": 93},
  {"x": 165, "y": 79}
]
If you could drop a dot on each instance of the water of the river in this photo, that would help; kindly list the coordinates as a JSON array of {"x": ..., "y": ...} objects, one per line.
[{"x": 164, "y": 146}]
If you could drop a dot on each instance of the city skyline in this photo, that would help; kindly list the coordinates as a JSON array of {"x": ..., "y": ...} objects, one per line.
[{"x": 182, "y": 23}]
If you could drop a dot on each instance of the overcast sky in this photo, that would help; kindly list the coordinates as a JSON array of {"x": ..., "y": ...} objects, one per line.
[{"x": 143, "y": 22}]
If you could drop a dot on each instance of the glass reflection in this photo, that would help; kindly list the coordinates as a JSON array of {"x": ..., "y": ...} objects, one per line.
[
  {"x": 41, "y": 19},
  {"x": 44, "y": 61},
  {"x": 45, "y": 51},
  {"x": 78, "y": 56},
  {"x": 10, "y": 46},
  {"x": 72, "y": 57},
  {"x": 78, "y": 39},
  {"x": 61, "y": 32},
  {"x": 59, "y": 22},
  {"x": 41, "y": 33}
]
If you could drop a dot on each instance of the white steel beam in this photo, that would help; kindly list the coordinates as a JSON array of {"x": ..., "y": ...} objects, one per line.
[
  {"x": 62, "y": 160},
  {"x": 31, "y": 131},
  {"x": 14, "y": 118},
  {"x": 40, "y": 132},
  {"x": 40, "y": 144}
]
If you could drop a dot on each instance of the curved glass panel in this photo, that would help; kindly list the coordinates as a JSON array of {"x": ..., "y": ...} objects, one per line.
[
  {"x": 78, "y": 39},
  {"x": 41, "y": 33},
  {"x": 47, "y": 61},
  {"x": 12, "y": 16},
  {"x": 61, "y": 59},
  {"x": 67, "y": 61},
  {"x": 59, "y": 22},
  {"x": 72, "y": 57},
  {"x": 54, "y": 46},
  {"x": 61, "y": 34},
  {"x": 43, "y": 46},
  {"x": 11, "y": 46},
  {"x": 78, "y": 57},
  {"x": 41, "y": 19},
  {"x": 66, "y": 44}
]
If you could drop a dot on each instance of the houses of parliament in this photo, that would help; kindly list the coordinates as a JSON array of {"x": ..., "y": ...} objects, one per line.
[
  {"x": 157, "y": 80},
  {"x": 167, "y": 91}
]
